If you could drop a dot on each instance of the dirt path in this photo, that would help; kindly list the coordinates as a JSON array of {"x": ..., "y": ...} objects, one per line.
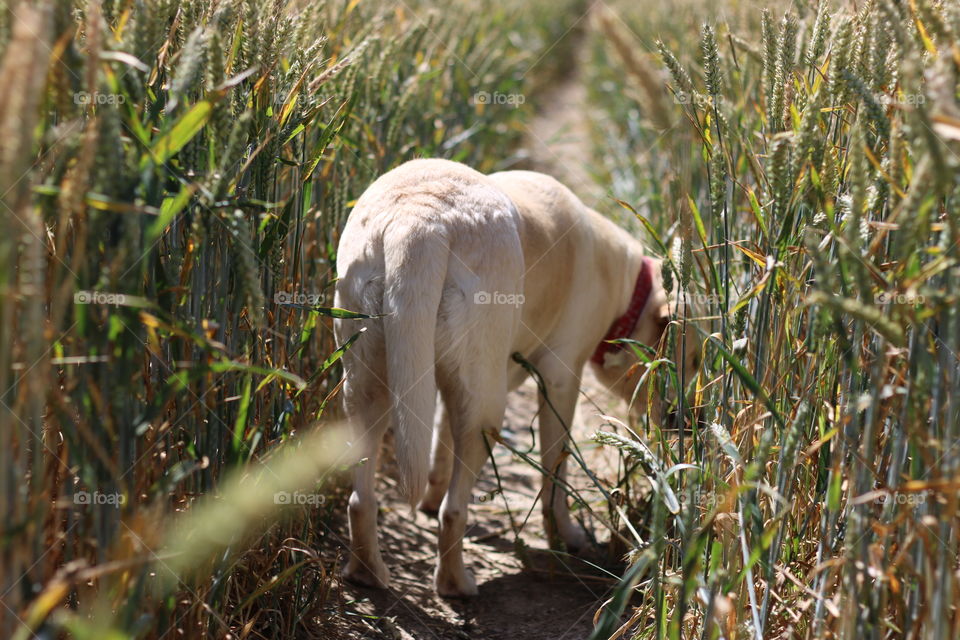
[
  {"x": 558, "y": 136},
  {"x": 552, "y": 597},
  {"x": 525, "y": 590}
]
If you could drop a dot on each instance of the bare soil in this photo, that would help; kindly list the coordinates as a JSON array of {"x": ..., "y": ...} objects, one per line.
[{"x": 526, "y": 590}]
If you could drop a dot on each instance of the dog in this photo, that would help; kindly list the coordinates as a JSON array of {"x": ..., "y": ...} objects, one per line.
[{"x": 461, "y": 270}]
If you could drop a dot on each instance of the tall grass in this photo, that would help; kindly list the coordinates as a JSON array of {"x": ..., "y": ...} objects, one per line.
[
  {"x": 173, "y": 176},
  {"x": 799, "y": 167}
]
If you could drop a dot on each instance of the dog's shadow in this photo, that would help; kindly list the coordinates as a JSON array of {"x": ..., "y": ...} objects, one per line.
[
  {"x": 535, "y": 603},
  {"x": 553, "y": 595},
  {"x": 529, "y": 604}
]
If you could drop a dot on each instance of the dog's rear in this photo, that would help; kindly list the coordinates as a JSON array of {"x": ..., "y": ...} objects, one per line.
[
  {"x": 403, "y": 341},
  {"x": 433, "y": 248}
]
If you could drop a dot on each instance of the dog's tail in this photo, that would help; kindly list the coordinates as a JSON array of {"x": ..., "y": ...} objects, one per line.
[{"x": 415, "y": 267}]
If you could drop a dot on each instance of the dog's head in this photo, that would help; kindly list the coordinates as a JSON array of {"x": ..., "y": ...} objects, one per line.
[{"x": 620, "y": 370}]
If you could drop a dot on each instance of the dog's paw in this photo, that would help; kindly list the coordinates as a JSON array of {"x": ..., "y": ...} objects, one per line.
[
  {"x": 429, "y": 509},
  {"x": 575, "y": 540},
  {"x": 454, "y": 586},
  {"x": 374, "y": 575},
  {"x": 571, "y": 540},
  {"x": 430, "y": 504}
]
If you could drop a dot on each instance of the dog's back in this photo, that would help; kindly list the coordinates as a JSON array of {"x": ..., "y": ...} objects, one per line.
[{"x": 434, "y": 247}]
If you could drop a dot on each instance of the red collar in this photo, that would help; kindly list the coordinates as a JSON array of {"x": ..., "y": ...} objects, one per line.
[{"x": 623, "y": 326}]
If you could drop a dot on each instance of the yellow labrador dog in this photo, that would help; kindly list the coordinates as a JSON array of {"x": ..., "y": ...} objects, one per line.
[{"x": 463, "y": 270}]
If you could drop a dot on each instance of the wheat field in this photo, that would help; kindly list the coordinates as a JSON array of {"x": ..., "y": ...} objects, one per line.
[{"x": 174, "y": 175}]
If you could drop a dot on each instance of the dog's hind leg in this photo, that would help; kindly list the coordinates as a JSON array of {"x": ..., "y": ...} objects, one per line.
[
  {"x": 441, "y": 463},
  {"x": 370, "y": 415},
  {"x": 475, "y": 406},
  {"x": 556, "y": 419}
]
